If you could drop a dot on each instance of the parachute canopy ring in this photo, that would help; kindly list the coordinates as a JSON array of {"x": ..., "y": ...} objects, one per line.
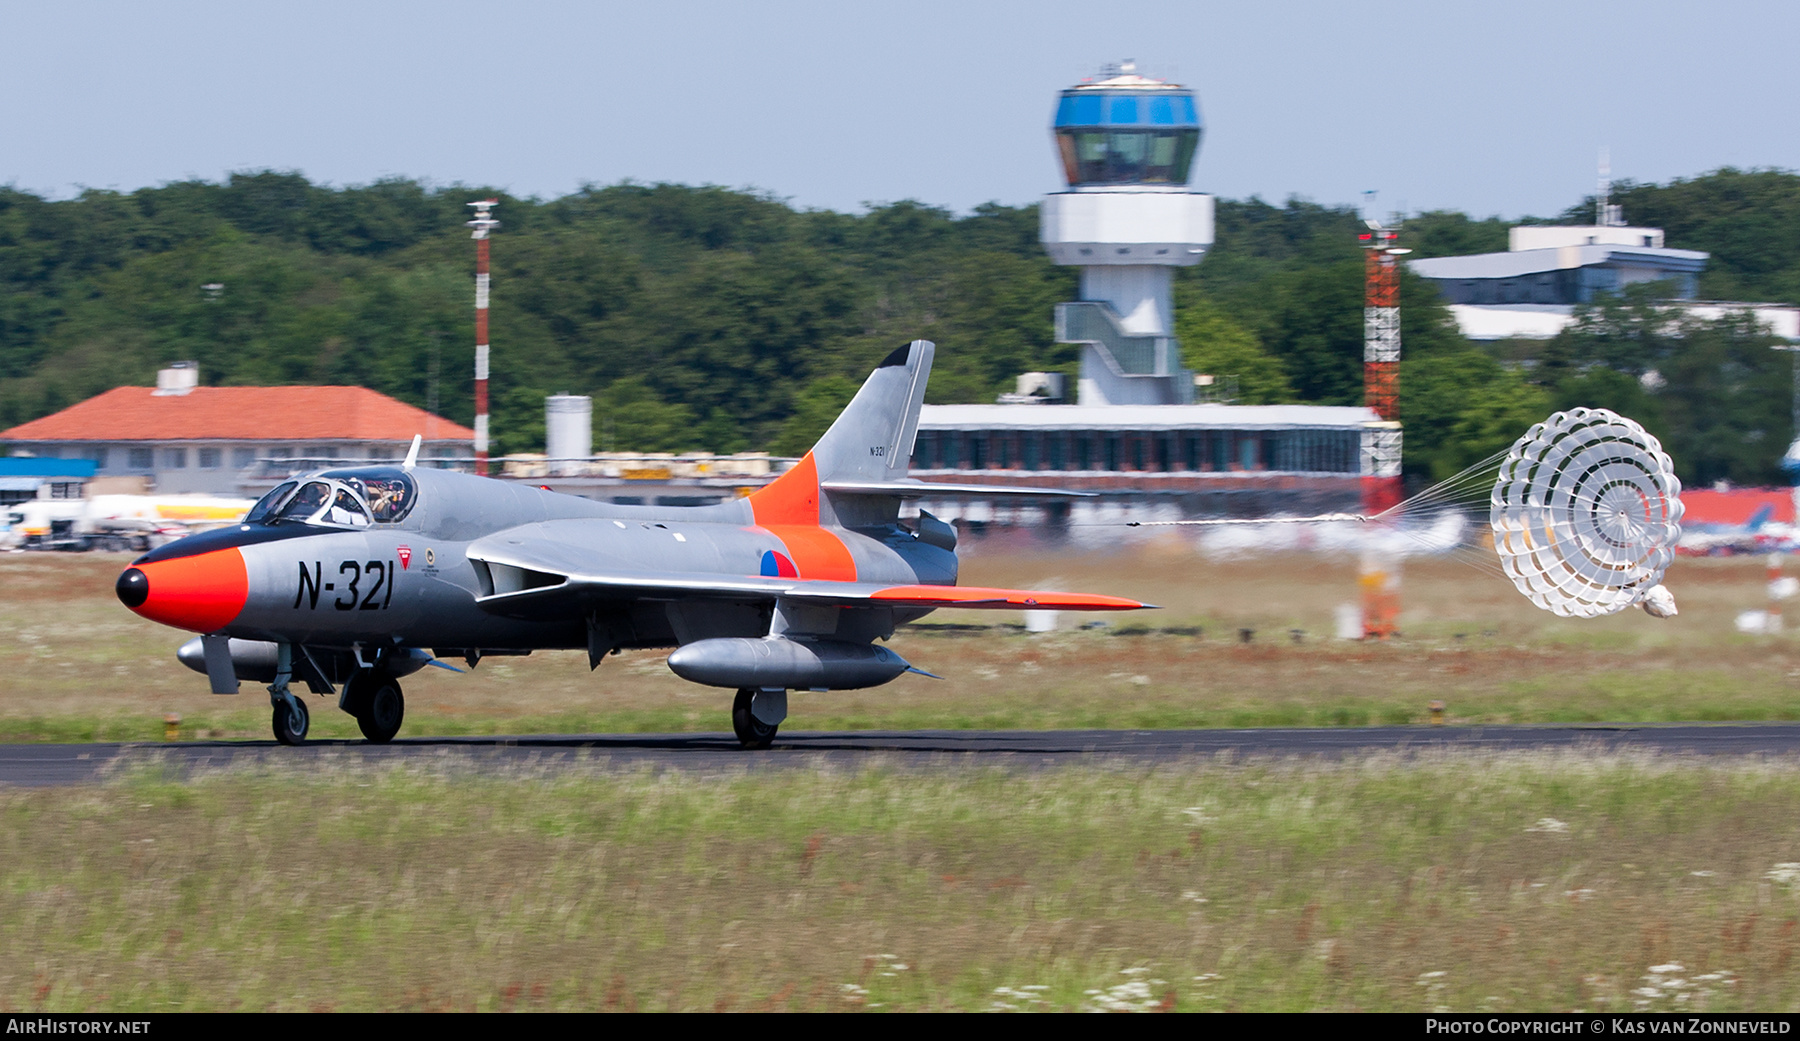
[{"x": 1586, "y": 512}]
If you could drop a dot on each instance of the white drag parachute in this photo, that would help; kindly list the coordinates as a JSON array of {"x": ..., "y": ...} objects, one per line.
[{"x": 1586, "y": 513}]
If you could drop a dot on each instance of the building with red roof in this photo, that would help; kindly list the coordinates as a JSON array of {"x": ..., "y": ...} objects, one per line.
[{"x": 184, "y": 437}]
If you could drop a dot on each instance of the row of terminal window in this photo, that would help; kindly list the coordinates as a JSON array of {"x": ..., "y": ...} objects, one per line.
[
  {"x": 182, "y": 458},
  {"x": 1176, "y": 451}
]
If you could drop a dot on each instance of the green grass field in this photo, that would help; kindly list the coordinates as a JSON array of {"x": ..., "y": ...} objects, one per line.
[{"x": 1513, "y": 882}]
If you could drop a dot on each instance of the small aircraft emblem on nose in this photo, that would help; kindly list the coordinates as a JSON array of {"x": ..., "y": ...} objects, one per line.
[{"x": 405, "y": 555}]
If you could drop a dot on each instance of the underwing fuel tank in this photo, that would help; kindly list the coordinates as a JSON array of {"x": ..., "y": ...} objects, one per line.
[
  {"x": 776, "y": 662},
  {"x": 254, "y": 660}
]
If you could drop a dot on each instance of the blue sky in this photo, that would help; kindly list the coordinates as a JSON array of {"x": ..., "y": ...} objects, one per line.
[{"x": 1495, "y": 108}]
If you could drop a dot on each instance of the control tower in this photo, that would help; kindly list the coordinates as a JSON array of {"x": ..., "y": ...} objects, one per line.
[{"x": 1127, "y": 143}]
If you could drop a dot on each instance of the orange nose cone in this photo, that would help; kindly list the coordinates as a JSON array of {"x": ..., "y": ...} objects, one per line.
[{"x": 202, "y": 592}]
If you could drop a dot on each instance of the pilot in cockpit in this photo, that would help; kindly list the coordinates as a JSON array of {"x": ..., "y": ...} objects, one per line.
[{"x": 347, "y": 511}]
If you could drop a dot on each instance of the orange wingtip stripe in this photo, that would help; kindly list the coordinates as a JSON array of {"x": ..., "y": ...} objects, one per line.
[{"x": 979, "y": 596}]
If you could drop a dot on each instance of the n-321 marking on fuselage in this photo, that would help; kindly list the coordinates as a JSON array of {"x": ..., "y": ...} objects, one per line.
[{"x": 307, "y": 589}]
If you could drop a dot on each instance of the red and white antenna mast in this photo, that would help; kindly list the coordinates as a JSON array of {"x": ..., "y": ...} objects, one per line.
[
  {"x": 1382, "y": 487},
  {"x": 483, "y": 223}
]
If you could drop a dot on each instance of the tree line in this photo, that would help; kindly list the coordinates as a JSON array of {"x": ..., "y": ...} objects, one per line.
[{"x": 707, "y": 318}]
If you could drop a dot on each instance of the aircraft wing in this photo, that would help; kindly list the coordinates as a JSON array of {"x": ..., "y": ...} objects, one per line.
[{"x": 521, "y": 581}]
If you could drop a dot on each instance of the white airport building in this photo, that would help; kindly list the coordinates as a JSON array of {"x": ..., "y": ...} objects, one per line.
[{"x": 1531, "y": 291}]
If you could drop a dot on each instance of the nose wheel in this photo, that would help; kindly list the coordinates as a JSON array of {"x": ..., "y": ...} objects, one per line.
[{"x": 290, "y": 720}]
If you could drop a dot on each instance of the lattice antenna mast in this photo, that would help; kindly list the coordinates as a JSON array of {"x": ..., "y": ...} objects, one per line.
[
  {"x": 1381, "y": 364},
  {"x": 1382, "y": 488},
  {"x": 483, "y": 223}
]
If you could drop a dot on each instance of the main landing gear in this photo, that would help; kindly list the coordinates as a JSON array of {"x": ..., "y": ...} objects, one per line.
[
  {"x": 753, "y": 733},
  {"x": 375, "y": 700}
]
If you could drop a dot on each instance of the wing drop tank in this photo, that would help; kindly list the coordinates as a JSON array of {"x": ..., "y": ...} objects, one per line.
[{"x": 774, "y": 662}]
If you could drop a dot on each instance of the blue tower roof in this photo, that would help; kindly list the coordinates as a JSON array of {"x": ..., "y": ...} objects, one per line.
[
  {"x": 1123, "y": 129},
  {"x": 1083, "y": 107}
]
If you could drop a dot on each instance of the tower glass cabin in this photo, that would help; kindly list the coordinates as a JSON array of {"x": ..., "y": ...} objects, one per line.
[{"x": 1127, "y": 130}]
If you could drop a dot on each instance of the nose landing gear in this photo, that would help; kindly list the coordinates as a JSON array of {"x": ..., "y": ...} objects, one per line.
[
  {"x": 288, "y": 716},
  {"x": 290, "y": 719}
]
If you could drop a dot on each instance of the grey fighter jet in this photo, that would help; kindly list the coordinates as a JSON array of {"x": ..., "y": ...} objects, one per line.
[{"x": 351, "y": 579}]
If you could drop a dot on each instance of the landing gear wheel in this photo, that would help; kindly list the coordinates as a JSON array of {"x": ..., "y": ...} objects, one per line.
[
  {"x": 752, "y": 733},
  {"x": 379, "y": 716},
  {"x": 291, "y": 721}
]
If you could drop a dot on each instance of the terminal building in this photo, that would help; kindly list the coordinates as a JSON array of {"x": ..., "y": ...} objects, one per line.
[
  {"x": 1157, "y": 462},
  {"x": 1138, "y": 433},
  {"x": 1531, "y": 291},
  {"x": 179, "y": 437}
]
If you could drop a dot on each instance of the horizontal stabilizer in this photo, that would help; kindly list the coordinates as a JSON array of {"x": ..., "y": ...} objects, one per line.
[{"x": 945, "y": 490}]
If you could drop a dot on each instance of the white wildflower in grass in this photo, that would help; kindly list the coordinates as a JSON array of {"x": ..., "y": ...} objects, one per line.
[
  {"x": 885, "y": 964},
  {"x": 1784, "y": 874},
  {"x": 1193, "y": 895},
  {"x": 1666, "y": 988},
  {"x": 1012, "y": 999},
  {"x": 1199, "y": 814},
  {"x": 1435, "y": 983},
  {"x": 1703, "y": 874},
  {"x": 1550, "y": 825},
  {"x": 1135, "y": 995}
]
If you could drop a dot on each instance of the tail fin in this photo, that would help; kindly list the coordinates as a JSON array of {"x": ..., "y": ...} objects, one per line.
[{"x": 872, "y": 440}]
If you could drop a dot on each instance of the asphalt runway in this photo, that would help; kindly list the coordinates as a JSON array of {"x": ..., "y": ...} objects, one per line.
[{"x": 39, "y": 765}]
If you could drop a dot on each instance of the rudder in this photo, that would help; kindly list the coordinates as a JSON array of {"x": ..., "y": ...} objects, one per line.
[{"x": 872, "y": 439}]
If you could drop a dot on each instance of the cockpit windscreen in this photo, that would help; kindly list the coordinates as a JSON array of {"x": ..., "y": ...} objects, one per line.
[{"x": 339, "y": 499}]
